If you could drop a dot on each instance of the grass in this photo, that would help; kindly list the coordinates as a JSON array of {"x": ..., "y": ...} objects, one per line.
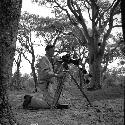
[{"x": 110, "y": 102}]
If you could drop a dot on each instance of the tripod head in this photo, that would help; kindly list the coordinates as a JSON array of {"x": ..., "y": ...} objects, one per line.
[{"x": 66, "y": 59}]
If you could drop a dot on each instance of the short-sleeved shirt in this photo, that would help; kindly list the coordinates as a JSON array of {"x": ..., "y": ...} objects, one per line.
[{"x": 44, "y": 67}]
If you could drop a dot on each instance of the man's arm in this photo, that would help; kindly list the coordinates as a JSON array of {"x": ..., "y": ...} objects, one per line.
[{"x": 45, "y": 68}]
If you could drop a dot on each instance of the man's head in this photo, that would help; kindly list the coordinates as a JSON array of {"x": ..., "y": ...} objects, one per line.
[{"x": 49, "y": 50}]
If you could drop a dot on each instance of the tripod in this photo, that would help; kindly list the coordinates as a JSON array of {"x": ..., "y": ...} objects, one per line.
[{"x": 60, "y": 88}]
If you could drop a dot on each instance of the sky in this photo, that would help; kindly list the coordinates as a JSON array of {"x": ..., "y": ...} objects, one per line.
[{"x": 28, "y": 6}]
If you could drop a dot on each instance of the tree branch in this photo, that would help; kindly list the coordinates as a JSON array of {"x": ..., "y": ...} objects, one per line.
[
  {"x": 106, "y": 35},
  {"x": 101, "y": 15},
  {"x": 105, "y": 67},
  {"x": 26, "y": 57},
  {"x": 55, "y": 41},
  {"x": 79, "y": 17},
  {"x": 69, "y": 16},
  {"x": 110, "y": 54},
  {"x": 111, "y": 18},
  {"x": 95, "y": 10},
  {"x": 116, "y": 26}
]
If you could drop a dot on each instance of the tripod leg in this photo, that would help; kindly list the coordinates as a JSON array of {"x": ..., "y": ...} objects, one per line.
[
  {"x": 80, "y": 89},
  {"x": 57, "y": 93}
]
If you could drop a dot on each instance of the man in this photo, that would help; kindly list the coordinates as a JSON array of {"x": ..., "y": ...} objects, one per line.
[{"x": 46, "y": 74}]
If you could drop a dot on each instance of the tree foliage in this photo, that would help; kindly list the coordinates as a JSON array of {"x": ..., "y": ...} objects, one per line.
[
  {"x": 103, "y": 18},
  {"x": 29, "y": 24}
]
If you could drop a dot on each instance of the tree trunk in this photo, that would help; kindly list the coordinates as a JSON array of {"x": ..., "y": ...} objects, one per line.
[
  {"x": 18, "y": 75},
  {"x": 33, "y": 66},
  {"x": 123, "y": 17},
  {"x": 95, "y": 66},
  {"x": 95, "y": 69},
  {"x": 34, "y": 77},
  {"x": 9, "y": 19},
  {"x": 18, "y": 84}
]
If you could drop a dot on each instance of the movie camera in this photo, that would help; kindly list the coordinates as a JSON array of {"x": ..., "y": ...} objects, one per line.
[{"x": 66, "y": 59}]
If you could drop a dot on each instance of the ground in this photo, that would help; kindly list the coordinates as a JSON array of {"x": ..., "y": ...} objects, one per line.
[{"x": 109, "y": 102}]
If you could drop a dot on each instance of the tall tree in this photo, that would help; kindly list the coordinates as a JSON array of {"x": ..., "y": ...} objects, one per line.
[
  {"x": 28, "y": 46},
  {"x": 102, "y": 18},
  {"x": 28, "y": 24},
  {"x": 9, "y": 18}
]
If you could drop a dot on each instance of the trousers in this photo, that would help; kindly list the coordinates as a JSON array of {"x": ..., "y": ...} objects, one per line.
[{"x": 45, "y": 91}]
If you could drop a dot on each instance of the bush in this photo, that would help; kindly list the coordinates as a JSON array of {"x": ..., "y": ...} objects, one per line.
[
  {"x": 108, "y": 82},
  {"x": 28, "y": 84},
  {"x": 112, "y": 79}
]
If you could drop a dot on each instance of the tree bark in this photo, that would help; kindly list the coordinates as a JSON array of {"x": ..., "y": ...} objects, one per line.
[
  {"x": 18, "y": 62},
  {"x": 95, "y": 69},
  {"x": 34, "y": 77},
  {"x": 9, "y": 18},
  {"x": 123, "y": 18},
  {"x": 95, "y": 65},
  {"x": 18, "y": 84},
  {"x": 33, "y": 67}
]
